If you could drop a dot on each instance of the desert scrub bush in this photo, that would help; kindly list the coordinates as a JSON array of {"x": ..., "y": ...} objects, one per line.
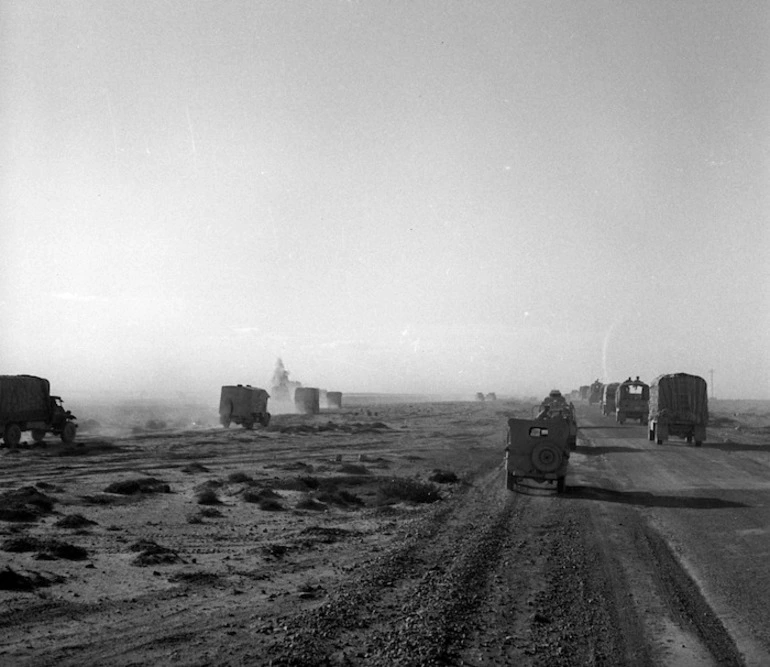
[
  {"x": 253, "y": 495},
  {"x": 443, "y": 477},
  {"x": 340, "y": 497},
  {"x": 210, "y": 513},
  {"x": 192, "y": 468},
  {"x": 74, "y": 521},
  {"x": 353, "y": 469},
  {"x": 45, "y": 548},
  {"x": 301, "y": 483},
  {"x": 207, "y": 496},
  {"x": 271, "y": 505},
  {"x": 140, "y": 485},
  {"x": 239, "y": 478},
  {"x": 310, "y": 503},
  {"x": 408, "y": 490}
]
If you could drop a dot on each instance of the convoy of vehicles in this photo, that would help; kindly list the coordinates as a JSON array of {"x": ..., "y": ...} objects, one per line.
[
  {"x": 244, "y": 405},
  {"x": 26, "y": 404}
]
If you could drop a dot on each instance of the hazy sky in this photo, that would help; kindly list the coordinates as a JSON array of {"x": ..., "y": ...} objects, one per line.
[{"x": 403, "y": 196}]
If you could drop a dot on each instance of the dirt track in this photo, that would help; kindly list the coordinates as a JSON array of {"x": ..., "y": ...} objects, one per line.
[{"x": 338, "y": 573}]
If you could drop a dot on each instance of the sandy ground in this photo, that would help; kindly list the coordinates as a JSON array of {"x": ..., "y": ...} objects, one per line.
[{"x": 378, "y": 534}]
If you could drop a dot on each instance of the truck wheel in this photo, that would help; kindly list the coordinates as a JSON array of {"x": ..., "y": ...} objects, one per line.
[
  {"x": 656, "y": 431},
  {"x": 248, "y": 425},
  {"x": 12, "y": 435},
  {"x": 650, "y": 434},
  {"x": 68, "y": 433},
  {"x": 689, "y": 439},
  {"x": 264, "y": 419},
  {"x": 38, "y": 434},
  {"x": 560, "y": 485},
  {"x": 225, "y": 422},
  {"x": 698, "y": 443}
]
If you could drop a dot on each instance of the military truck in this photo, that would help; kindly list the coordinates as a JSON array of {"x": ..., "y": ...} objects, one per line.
[
  {"x": 26, "y": 404},
  {"x": 555, "y": 406},
  {"x": 244, "y": 405},
  {"x": 607, "y": 404},
  {"x": 537, "y": 449},
  {"x": 595, "y": 392},
  {"x": 632, "y": 401},
  {"x": 678, "y": 406}
]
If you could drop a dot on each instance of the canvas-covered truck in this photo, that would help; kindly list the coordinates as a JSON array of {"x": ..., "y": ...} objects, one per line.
[
  {"x": 632, "y": 401},
  {"x": 26, "y": 404},
  {"x": 244, "y": 405},
  {"x": 555, "y": 406},
  {"x": 678, "y": 406},
  {"x": 607, "y": 404},
  {"x": 595, "y": 392},
  {"x": 537, "y": 449}
]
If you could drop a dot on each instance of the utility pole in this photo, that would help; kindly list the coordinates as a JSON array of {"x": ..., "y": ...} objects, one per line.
[{"x": 711, "y": 373}]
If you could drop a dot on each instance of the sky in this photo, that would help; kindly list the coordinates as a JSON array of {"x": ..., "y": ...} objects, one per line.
[{"x": 415, "y": 197}]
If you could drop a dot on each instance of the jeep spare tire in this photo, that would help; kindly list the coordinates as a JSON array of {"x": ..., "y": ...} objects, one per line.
[{"x": 546, "y": 457}]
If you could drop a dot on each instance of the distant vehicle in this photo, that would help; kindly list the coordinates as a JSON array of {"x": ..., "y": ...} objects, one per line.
[
  {"x": 584, "y": 391},
  {"x": 608, "y": 398},
  {"x": 595, "y": 392},
  {"x": 537, "y": 449},
  {"x": 307, "y": 400},
  {"x": 678, "y": 406},
  {"x": 244, "y": 405},
  {"x": 491, "y": 396},
  {"x": 479, "y": 396},
  {"x": 334, "y": 399},
  {"x": 26, "y": 404},
  {"x": 632, "y": 401}
]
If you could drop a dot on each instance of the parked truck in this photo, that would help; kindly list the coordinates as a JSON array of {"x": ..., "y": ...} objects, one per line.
[
  {"x": 26, "y": 404},
  {"x": 678, "y": 406},
  {"x": 632, "y": 401},
  {"x": 244, "y": 405},
  {"x": 607, "y": 404}
]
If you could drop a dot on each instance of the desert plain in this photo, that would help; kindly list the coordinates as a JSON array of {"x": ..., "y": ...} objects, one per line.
[{"x": 382, "y": 534}]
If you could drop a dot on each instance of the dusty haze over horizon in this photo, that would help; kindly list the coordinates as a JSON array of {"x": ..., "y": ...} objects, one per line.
[{"x": 407, "y": 197}]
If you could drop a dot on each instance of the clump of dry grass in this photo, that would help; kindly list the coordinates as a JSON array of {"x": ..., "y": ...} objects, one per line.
[
  {"x": 24, "y": 504},
  {"x": 192, "y": 468},
  {"x": 407, "y": 490},
  {"x": 443, "y": 477},
  {"x": 354, "y": 469},
  {"x": 239, "y": 478},
  {"x": 130, "y": 487},
  {"x": 152, "y": 553},
  {"x": 45, "y": 548},
  {"x": 339, "y": 497},
  {"x": 74, "y": 521},
  {"x": 207, "y": 496},
  {"x": 310, "y": 503}
]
